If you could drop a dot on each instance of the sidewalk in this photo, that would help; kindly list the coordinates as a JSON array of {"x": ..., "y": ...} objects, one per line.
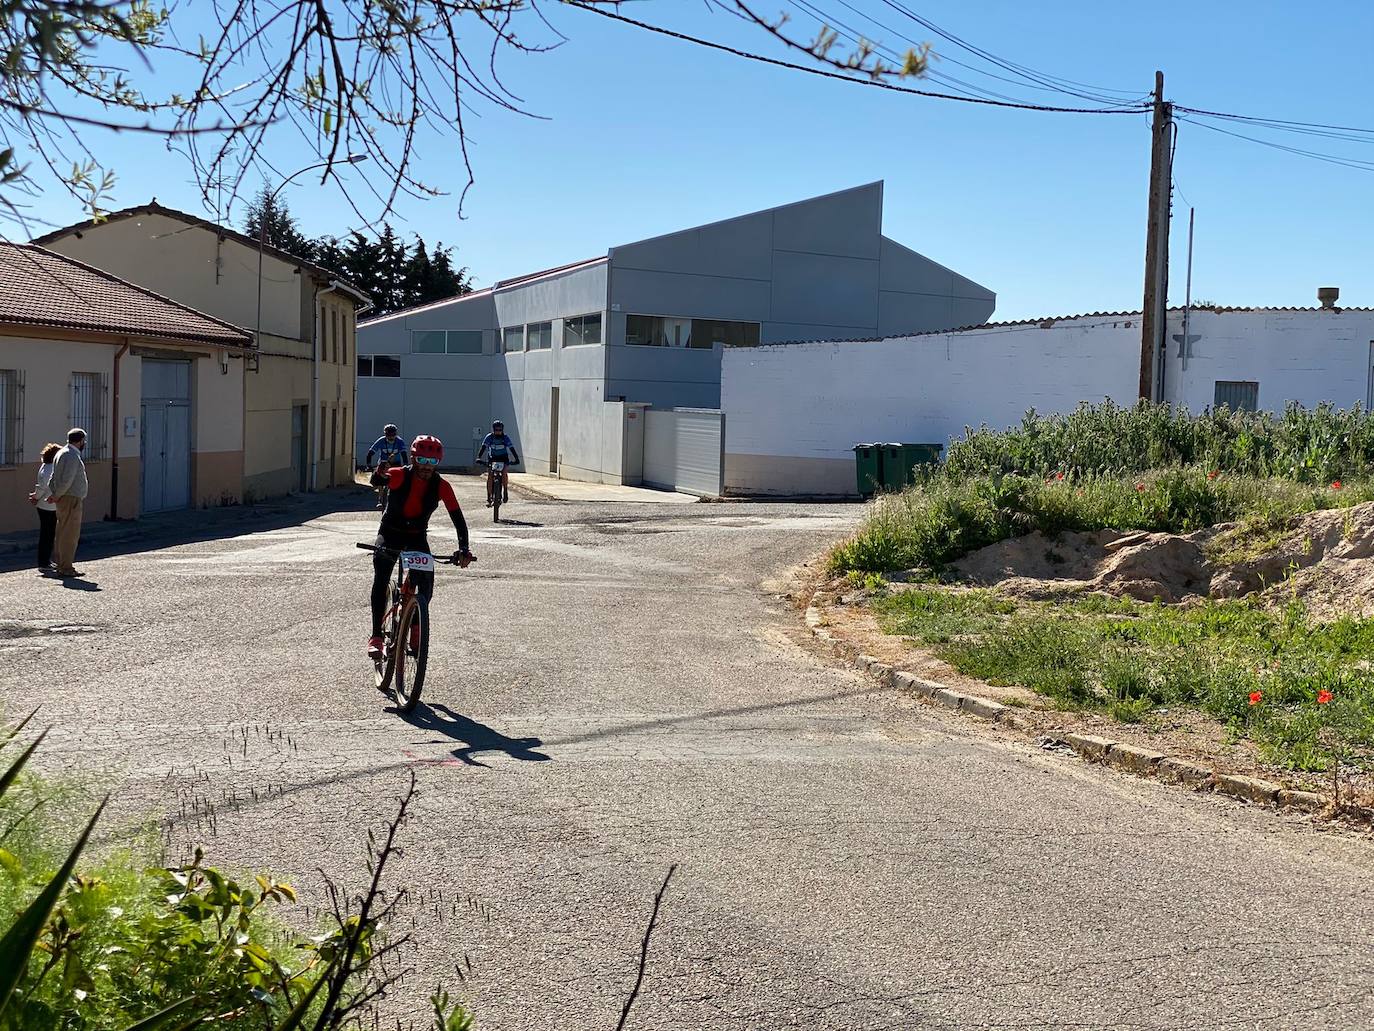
[
  {"x": 188, "y": 525},
  {"x": 575, "y": 490}
]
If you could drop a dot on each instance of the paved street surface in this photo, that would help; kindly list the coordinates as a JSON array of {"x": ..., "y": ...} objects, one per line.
[{"x": 617, "y": 688}]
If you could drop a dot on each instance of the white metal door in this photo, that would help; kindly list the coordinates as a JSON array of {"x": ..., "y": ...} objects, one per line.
[{"x": 684, "y": 450}]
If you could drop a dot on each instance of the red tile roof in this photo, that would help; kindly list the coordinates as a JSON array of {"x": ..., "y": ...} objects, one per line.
[{"x": 39, "y": 287}]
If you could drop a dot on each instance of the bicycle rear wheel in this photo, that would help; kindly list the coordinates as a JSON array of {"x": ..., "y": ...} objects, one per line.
[{"x": 410, "y": 669}]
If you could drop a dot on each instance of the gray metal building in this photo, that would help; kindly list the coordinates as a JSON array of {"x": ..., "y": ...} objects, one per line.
[{"x": 609, "y": 369}]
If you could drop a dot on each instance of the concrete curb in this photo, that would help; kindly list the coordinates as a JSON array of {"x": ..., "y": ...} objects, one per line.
[{"x": 1127, "y": 758}]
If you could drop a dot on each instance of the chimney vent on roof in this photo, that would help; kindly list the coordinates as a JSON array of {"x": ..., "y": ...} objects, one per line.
[{"x": 1328, "y": 296}]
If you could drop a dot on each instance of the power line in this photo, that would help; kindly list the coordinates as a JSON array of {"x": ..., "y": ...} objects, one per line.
[
  {"x": 1358, "y": 164},
  {"x": 875, "y": 83}
]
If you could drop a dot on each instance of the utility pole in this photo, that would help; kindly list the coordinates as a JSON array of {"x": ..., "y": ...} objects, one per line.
[{"x": 1157, "y": 248}]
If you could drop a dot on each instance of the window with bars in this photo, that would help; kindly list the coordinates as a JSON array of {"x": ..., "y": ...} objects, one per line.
[
  {"x": 11, "y": 416},
  {"x": 87, "y": 410}
]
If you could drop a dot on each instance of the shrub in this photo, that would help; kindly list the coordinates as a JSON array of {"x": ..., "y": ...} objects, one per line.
[{"x": 1313, "y": 446}]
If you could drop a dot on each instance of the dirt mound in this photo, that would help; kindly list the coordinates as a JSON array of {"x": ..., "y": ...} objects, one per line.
[{"x": 1322, "y": 559}]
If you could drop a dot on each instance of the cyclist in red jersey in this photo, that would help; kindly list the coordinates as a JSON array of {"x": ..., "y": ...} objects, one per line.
[{"x": 416, "y": 491}]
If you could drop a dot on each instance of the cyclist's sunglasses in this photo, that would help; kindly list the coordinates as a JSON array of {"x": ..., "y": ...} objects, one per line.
[{"x": 426, "y": 461}]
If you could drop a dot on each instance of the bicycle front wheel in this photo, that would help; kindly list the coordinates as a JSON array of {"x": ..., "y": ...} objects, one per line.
[{"x": 412, "y": 652}]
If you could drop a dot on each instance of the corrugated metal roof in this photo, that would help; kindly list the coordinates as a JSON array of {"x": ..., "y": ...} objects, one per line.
[
  {"x": 39, "y": 287},
  {"x": 1048, "y": 321}
]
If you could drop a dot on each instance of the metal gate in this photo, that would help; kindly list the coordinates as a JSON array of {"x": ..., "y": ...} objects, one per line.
[
  {"x": 684, "y": 450},
  {"x": 165, "y": 466}
]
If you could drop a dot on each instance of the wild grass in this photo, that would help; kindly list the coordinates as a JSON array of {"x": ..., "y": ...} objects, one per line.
[
  {"x": 948, "y": 515},
  {"x": 1262, "y": 673},
  {"x": 1313, "y": 446}
]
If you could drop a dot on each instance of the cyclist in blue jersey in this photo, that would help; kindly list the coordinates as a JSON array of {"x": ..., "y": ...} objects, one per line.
[
  {"x": 499, "y": 448},
  {"x": 390, "y": 449}
]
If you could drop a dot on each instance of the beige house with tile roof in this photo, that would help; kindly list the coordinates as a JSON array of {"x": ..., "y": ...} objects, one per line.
[
  {"x": 157, "y": 385},
  {"x": 299, "y": 391}
]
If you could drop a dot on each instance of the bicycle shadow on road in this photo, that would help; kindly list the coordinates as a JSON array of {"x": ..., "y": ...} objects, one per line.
[{"x": 476, "y": 737}]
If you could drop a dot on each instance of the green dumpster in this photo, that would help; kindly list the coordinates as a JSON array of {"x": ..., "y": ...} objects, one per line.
[
  {"x": 902, "y": 463},
  {"x": 868, "y": 465},
  {"x": 890, "y": 466}
]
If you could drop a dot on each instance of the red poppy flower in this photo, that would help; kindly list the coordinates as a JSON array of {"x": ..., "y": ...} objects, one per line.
[
  {"x": 1213, "y": 474},
  {"x": 1058, "y": 476},
  {"x": 1140, "y": 486},
  {"x": 1324, "y": 696},
  {"x": 1335, "y": 484},
  {"x": 1255, "y": 697}
]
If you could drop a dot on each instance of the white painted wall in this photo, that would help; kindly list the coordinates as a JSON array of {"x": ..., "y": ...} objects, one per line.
[
  {"x": 795, "y": 411},
  {"x": 1304, "y": 356}
]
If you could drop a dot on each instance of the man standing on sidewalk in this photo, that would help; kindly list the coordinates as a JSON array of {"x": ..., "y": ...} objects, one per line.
[{"x": 68, "y": 489}]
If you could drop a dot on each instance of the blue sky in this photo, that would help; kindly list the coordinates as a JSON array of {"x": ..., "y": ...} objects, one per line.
[{"x": 640, "y": 135}]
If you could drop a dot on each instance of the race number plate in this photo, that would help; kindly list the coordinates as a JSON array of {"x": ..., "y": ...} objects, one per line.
[
  {"x": 497, "y": 467},
  {"x": 417, "y": 560}
]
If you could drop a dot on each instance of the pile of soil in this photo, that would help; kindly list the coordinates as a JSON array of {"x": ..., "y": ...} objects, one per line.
[{"x": 1322, "y": 559}]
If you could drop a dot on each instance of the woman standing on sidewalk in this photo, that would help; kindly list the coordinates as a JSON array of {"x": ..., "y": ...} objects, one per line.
[{"x": 47, "y": 509}]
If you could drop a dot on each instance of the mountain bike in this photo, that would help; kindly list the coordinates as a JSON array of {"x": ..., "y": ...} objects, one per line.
[
  {"x": 495, "y": 486},
  {"x": 405, "y": 629}
]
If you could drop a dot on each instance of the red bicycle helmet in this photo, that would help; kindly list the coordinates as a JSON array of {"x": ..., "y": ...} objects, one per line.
[{"x": 425, "y": 446}]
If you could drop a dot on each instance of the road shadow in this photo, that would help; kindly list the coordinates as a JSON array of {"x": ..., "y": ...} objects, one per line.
[
  {"x": 79, "y": 584},
  {"x": 475, "y": 737},
  {"x": 192, "y": 526},
  {"x": 517, "y": 522}
]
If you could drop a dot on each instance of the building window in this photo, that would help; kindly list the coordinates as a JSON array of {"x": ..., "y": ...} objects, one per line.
[
  {"x": 539, "y": 336},
  {"x": 334, "y": 331},
  {"x": 428, "y": 342},
  {"x": 87, "y": 410},
  {"x": 464, "y": 341},
  {"x": 709, "y": 332},
  {"x": 386, "y": 365},
  {"x": 1237, "y": 395},
  {"x": 11, "y": 416},
  {"x": 364, "y": 365},
  {"x": 583, "y": 329},
  {"x": 661, "y": 331},
  {"x": 513, "y": 338}
]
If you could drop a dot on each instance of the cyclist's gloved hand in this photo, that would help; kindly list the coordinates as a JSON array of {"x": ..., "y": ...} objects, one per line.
[{"x": 464, "y": 558}]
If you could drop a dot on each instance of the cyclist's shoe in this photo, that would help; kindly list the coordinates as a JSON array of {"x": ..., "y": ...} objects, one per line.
[
  {"x": 374, "y": 648},
  {"x": 488, "y": 502}
]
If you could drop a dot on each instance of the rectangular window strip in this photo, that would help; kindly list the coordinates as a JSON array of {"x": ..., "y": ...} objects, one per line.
[
  {"x": 663, "y": 331},
  {"x": 11, "y": 416},
  {"x": 582, "y": 329},
  {"x": 453, "y": 341},
  {"x": 539, "y": 336},
  {"x": 513, "y": 339}
]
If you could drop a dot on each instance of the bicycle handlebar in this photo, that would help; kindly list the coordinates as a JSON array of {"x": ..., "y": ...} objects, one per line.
[{"x": 397, "y": 552}]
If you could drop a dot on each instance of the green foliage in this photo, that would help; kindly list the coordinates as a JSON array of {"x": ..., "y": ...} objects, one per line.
[
  {"x": 1314, "y": 446},
  {"x": 948, "y": 516},
  {"x": 394, "y": 273},
  {"x": 1128, "y": 659},
  {"x": 115, "y": 945}
]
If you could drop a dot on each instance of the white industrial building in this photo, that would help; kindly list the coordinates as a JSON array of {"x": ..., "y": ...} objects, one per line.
[{"x": 609, "y": 370}]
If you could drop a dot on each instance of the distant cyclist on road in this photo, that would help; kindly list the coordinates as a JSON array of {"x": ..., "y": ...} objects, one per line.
[
  {"x": 499, "y": 448},
  {"x": 390, "y": 449},
  {"x": 415, "y": 492}
]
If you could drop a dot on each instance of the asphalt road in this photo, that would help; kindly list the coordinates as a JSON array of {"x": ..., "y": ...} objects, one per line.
[{"x": 618, "y": 688}]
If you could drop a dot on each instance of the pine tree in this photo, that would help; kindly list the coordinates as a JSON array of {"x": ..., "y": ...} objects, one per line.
[{"x": 281, "y": 230}]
